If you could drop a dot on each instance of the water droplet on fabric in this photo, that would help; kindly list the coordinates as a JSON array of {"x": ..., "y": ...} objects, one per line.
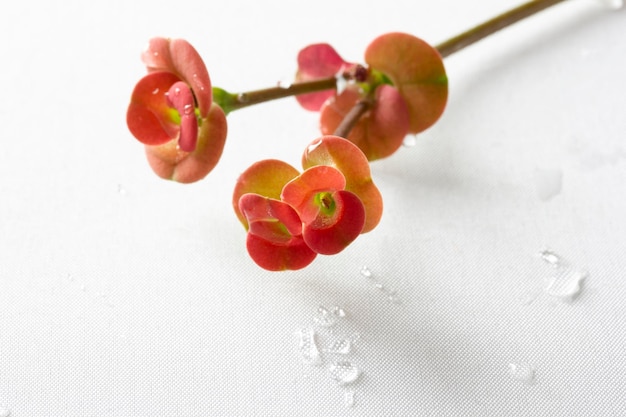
[
  {"x": 522, "y": 371},
  {"x": 307, "y": 347},
  {"x": 121, "y": 190},
  {"x": 550, "y": 257},
  {"x": 5, "y": 412},
  {"x": 324, "y": 317},
  {"x": 548, "y": 183},
  {"x": 348, "y": 398},
  {"x": 365, "y": 271},
  {"x": 566, "y": 285},
  {"x": 409, "y": 141},
  {"x": 344, "y": 372},
  {"x": 340, "y": 347},
  {"x": 338, "y": 311}
]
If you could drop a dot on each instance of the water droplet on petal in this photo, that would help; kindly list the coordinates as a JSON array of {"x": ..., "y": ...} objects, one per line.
[
  {"x": 522, "y": 371},
  {"x": 155, "y": 53},
  {"x": 409, "y": 141},
  {"x": 341, "y": 81},
  {"x": 344, "y": 372},
  {"x": 188, "y": 109},
  {"x": 308, "y": 347},
  {"x": 155, "y": 91}
]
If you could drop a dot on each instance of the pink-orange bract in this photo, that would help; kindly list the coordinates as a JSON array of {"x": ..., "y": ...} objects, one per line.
[
  {"x": 405, "y": 85},
  {"x": 315, "y": 62},
  {"x": 172, "y": 112},
  {"x": 291, "y": 217}
]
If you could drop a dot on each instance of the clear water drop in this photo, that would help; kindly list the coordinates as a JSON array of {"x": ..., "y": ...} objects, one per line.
[
  {"x": 340, "y": 347},
  {"x": 409, "y": 141},
  {"x": 188, "y": 109},
  {"x": 344, "y": 372},
  {"x": 155, "y": 91},
  {"x": 567, "y": 284},
  {"x": 286, "y": 84},
  {"x": 324, "y": 317},
  {"x": 5, "y": 412},
  {"x": 342, "y": 83},
  {"x": 348, "y": 398},
  {"x": 550, "y": 257},
  {"x": 522, "y": 371},
  {"x": 307, "y": 347},
  {"x": 243, "y": 98},
  {"x": 338, "y": 311},
  {"x": 121, "y": 190},
  {"x": 365, "y": 271}
]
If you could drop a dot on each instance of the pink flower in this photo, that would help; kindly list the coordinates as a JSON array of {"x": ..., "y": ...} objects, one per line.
[{"x": 172, "y": 112}]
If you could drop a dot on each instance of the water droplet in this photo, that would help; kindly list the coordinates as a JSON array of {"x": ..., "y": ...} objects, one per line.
[
  {"x": 392, "y": 297},
  {"x": 548, "y": 183},
  {"x": 155, "y": 53},
  {"x": 5, "y": 412},
  {"x": 340, "y": 347},
  {"x": 522, "y": 371},
  {"x": 409, "y": 141},
  {"x": 344, "y": 372},
  {"x": 155, "y": 91},
  {"x": 308, "y": 347},
  {"x": 243, "y": 98},
  {"x": 284, "y": 84},
  {"x": 188, "y": 109},
  {"x": 365, "y": 271},
  {"x": 177, "y": 91},
  {"x": 566, "y": 285},
  {"x": 338, "y": 311},
  {"x": 121, "y": 190},
  {"x": 324, "y": 317},
  {"x": 613, "y": 4},
  {"x": 550, "y": 257},
  {"x": 342, "y": 83},
  {"x": 348, "y": 398}
]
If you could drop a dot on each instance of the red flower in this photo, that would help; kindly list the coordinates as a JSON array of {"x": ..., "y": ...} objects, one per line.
[
  {"x": 172, "y": 112},
  {"x": 292, "y": 217}
]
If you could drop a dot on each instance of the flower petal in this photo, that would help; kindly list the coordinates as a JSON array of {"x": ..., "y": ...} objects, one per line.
[
  {"x": 274, "y": 239},
  {"x": 330, "y": 233},
  {"x": 267, "y": 178},
  {"x": 416, "y": 70},
  {"x": 318, "y": 61},
  {"x": 379, "y": 132},
  {"x": 170, "y": 162},
  {"x": 149, "y": 116},
  {"x": 345, "y": 156},
  {"x": 181, "y": 58}
]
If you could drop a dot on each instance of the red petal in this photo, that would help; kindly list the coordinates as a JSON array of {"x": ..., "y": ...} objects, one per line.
[
  {"x": 328, "y": 235},
  {"x": 148, "y": 116}
]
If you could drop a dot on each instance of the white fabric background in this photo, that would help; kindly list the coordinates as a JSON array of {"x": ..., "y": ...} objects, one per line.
[{"x": 125, "y": 295}]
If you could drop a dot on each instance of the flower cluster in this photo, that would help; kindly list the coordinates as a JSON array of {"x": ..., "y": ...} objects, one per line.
[
  {"x": 405, "y": 83},
  {"x": 172, "y": 112},
  {"x": 291, "y": 217}
]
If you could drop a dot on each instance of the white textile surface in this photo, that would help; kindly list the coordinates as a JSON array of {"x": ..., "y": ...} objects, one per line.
[{"x": 125, "y": 295}]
